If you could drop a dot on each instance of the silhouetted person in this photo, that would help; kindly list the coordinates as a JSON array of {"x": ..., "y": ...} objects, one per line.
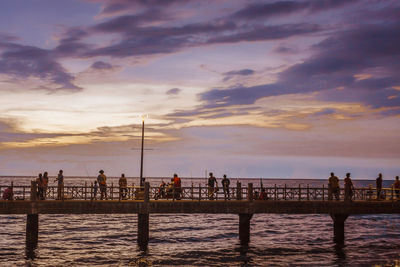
[
  {"x": 40, "y": 186},
  {"x": 177, "y": 186},
  {"x": 348, "y": 188},
  {"x": 102, "y": 180},
  {"x": 95, "y": 189},
  {"x": 123, "y": 184},
  {"x": 161, "y": 190},
  {"x": 379, "y": 187},
  {"x": 225, "y": 185},
  {"x": 45, "y": 184},
  {"x": 8, "y": 193},
  {"x": 333, "y": 187},
  {"x": 263, "y": 194},
  {"x": 60, "y": 184},
  {"x": 396, "y": 186},
  {"x": 212, "y": 182}
]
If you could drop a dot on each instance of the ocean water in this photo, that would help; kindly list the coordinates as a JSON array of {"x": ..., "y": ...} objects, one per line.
[{"x": 201, "y": 239}]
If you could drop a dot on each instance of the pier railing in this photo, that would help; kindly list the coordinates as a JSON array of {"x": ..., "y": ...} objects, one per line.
[{"x": 202, "y": 193}]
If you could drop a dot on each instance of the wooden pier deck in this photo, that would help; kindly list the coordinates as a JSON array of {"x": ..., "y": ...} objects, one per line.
[{"x": 242, "y": 201}]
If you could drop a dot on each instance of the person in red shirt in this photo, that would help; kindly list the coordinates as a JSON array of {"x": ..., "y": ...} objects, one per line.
[{"x": 177, "y": 186}]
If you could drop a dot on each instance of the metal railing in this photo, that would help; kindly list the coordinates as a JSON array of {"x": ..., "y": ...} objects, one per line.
[{"x": 200, "y": 193}]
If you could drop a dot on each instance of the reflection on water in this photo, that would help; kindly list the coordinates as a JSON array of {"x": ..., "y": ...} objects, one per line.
[{"x": 200, "y": 240}]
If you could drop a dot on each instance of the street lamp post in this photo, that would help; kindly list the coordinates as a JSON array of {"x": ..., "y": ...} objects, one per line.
[{"x": 141, "y": 157}]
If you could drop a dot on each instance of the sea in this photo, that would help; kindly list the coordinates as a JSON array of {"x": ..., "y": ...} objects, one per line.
[{"x": 201, "y": 239}]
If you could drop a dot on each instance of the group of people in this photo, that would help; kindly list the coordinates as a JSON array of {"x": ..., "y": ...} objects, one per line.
[
  {"x": 334, "y": 188},
  {"x": 172, "y": 189},
  {"x": 213, "y": 186},
  {"x": 101, "y": 182},
  {"x": 42, "y": 183}
]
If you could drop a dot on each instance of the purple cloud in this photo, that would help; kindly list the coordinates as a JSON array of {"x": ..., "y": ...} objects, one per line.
[
  {"x": 279, "y": 8},
  {"x": 244, "y": 72},
  {"x": 100, "y": 65},
  {"x": 334, "y": 64},
  {"x": 28, "y": 61}
]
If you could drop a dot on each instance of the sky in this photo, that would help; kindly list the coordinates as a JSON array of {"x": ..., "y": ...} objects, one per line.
[{"x": 272, "y": 89}]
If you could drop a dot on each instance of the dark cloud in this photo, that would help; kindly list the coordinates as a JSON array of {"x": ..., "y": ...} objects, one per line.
[
  {"x": 100, "y": 65},
  {"x": 279, "y": 8},
  {"x": 71, "y": 44},
  {"x": 27, "y": 61},
  {"x": 264, "y": 33},
  {"x": 128, "y": 23},
  {"x": 244, "y": 72},
  {"x": 123, "y": 5},
  {"x": 174, "y": 91},
  {"x": 138, "y": 41},
  {"x": 335, "y": 63},
  {"x": 285, "y": 50}
]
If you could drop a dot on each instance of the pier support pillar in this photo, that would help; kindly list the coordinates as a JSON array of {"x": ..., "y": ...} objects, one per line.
[
  {"x": 32, "y": 233},
  {"x": 338, "y": 227},
  {"x": 244, "y": 228},
  {"x": 143, "y": 231}
]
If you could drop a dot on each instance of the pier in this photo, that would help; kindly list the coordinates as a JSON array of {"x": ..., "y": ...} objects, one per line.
[{"x": 243, "y": 201}]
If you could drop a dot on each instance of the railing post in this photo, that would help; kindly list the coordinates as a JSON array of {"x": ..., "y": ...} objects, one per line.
[
  {"x": 299, "y": 192},
  {"x": 12, "y": 190},
  {"x": 238, "y": 191},
  {"x": 308, "y": 192},
  {"x": 33, "y": 191},
  {"x": 250, "y": 192},
  {"x": 275, "y": 193},
  {"x": 112, "y": 191},
  {"x": 192, "y": 191},
  {"x": 146, "y": 192},
  {"x": 173, "y": 193},
  {"x": 323, "y": 192},
  {"x": 392, "y": 194},
  {"x": 284, "y": 192},
  {"x": 85, "y": 190},
  {"x": 199, "y": 192},
  {"x": 91, "y": 191},
  {"x": 23, "y": 193}
]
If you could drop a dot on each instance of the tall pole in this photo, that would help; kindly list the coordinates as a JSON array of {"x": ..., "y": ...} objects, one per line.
[{"x": 141, "y": 158}]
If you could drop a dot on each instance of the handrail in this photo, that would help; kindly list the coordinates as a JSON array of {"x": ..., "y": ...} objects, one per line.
[{"x": 201, "y": 193}]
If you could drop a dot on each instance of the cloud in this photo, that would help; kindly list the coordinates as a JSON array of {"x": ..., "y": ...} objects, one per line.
[
  {"x": 173, "y": 91},
  {"x": 244, "y": 72},
  {"x": 115, "y": 6},
  {"x": 100, "y": 65},
  {"x": 279, "y": 8},
  {"x": 264, "y": 33},
  {"x": 333, "y": 65},
  {"x": 22, "y": 62}
]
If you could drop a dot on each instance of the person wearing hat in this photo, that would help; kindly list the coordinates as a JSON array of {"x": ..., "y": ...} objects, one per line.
[{"x": 102, "y": 180}]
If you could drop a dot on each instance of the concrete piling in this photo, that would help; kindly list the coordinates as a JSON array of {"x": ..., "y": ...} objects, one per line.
[
  {"x": 338, "y": 227},
  {"x": 244, "y": 228}
]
